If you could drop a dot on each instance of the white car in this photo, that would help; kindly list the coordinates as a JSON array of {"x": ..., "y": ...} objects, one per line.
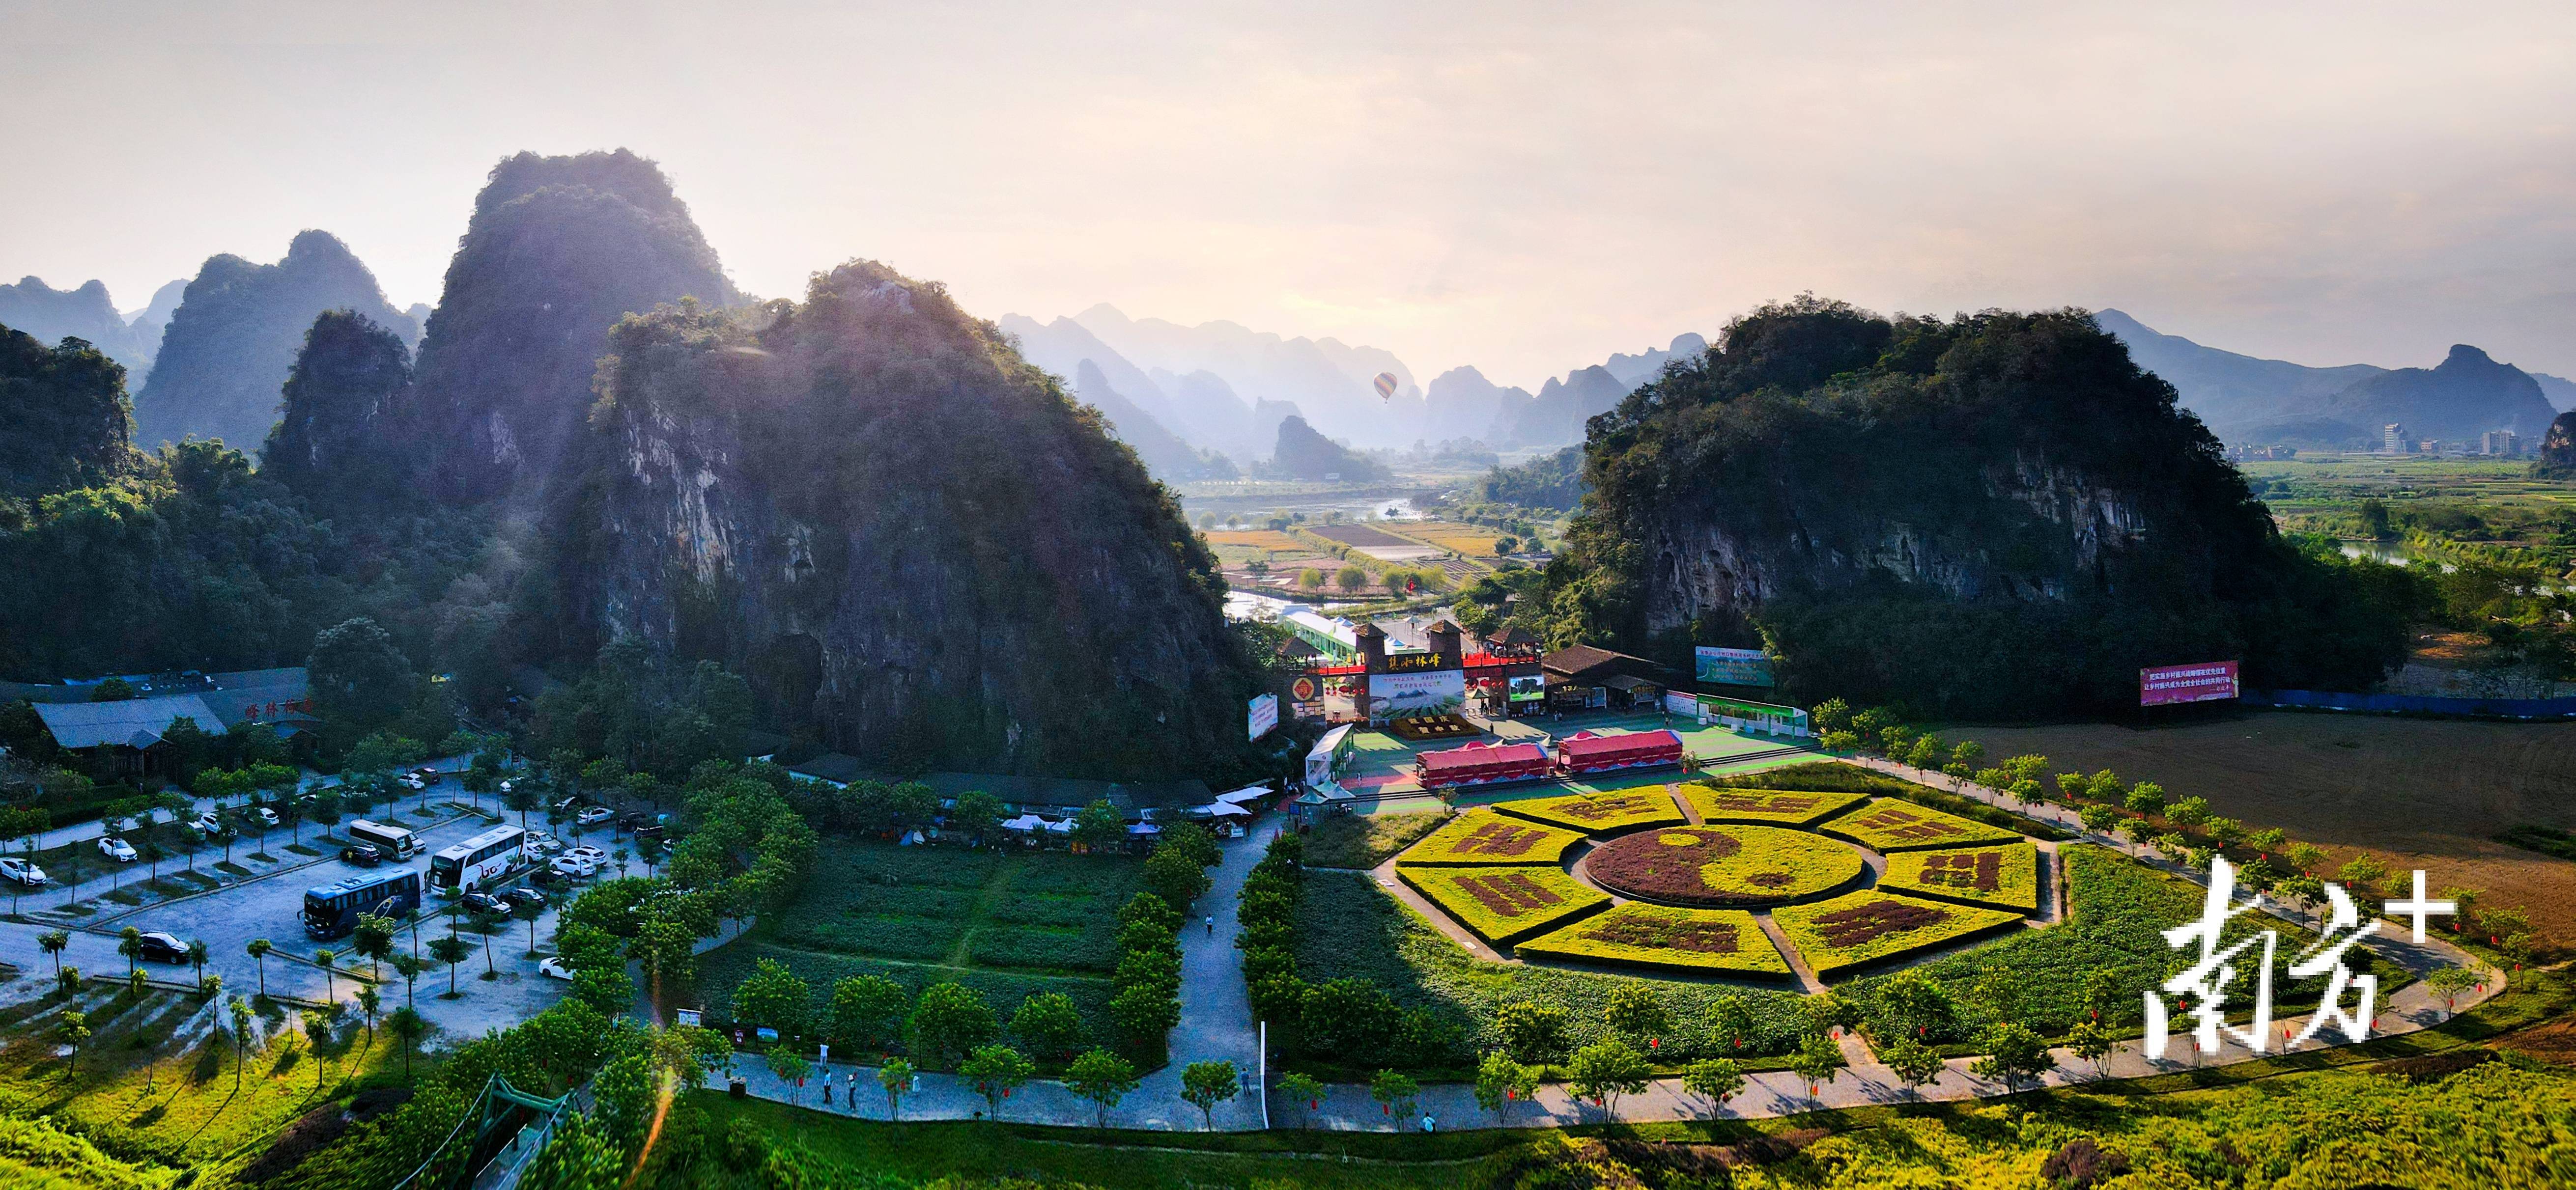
[
  {"x": 541, "y": 841},
  {"x": 593, "y": 815},
  {"x": 574, "y": 865},
  {"x": 266, "y": 816},
  {"x": 554, "y": 968},
  {"x": 25, "y": 873},
  {"x": 588, "y": 852},
  {"x": 206, "y": 826},
  {"x": 414, "y": 783},
  {"x": 116, "y": 849}
]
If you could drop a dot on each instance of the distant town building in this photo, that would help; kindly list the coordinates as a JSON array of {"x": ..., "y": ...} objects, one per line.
[
  {"x": 2501, "y": 443},
  {"x": 2392, "y": 439}
]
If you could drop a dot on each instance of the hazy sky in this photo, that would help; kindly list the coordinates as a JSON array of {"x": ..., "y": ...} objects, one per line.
[{"x": 1476, "y": 183}]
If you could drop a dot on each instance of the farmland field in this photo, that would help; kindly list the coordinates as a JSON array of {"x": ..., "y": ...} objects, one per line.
[
  {"x": 1259, "y": 539},
  {"x": 2006, "y": 877},
  {"x": 1008, "y": 925},
  {"x": 2428, "y": 793},
  {"x": 1483, "y": 837},
  {"x": 1504, "y": 904},
  {"x": 1861, "y": 928},
  {"x": 1765, "y": 806},
  {"x": 1694, "y": 941},
  {"x": 1886, "y": 825},
  {"x": 1470, "y": 540}
]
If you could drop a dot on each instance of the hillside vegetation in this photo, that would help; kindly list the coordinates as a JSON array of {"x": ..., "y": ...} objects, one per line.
[{"x": 1997, "y": 514}]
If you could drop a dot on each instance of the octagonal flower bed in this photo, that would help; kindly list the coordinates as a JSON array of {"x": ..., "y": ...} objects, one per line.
[
  {"x": 1702, "y": 941},
  {"x": 1889, "y": 825},
  {"x": 1504, "y": 905},
  {"x": 1595, "y": 812},
  {"x": 2006, "y": 877},
  {"x": 1862, "y": 928},
  {"x": 1775, "y": 806},
  {"x": 1718, "y": 866},
  {"x": 1482, "y": 837}
]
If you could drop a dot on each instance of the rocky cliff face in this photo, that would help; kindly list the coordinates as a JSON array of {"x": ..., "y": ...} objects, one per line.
[
  {"x": 234, "y": 337},
  {"x": 330, "y": 443},
  {"x": 66, "y": 421},
  {"x": 559, "y": 248},
  {"x": 904, "y": 535}
]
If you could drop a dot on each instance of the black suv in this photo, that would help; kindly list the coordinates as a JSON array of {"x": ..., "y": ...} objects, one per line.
[
  {"x": 365, "y": 855},
  {"x": 476, "y": 902}
]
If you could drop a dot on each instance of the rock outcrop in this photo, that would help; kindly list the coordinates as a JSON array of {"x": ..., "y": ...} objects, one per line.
[
  {"x": 331, "y": 443},
  {"x": 558, "y": 249},
  {"x": 909, "y": 539},
  {"x": 1304, "y": 453},
  {"x": 65, "y": 417},
  {"x": 52, "y": 315},
  {"x": 234, "y": 337}
]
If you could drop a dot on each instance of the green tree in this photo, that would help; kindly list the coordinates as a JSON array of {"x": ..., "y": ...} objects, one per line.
[
  {"x": 73, "y": 1030},
  {"x": 2190, "y": 811},
  {"x": 1714, "y": 1079},
  {"x": 239, "y": 1012},
  {"x": 359, "y": 677},
  {"x": 773, "y": 996},
  {"x": 1500, "y": 1082},
  {"x": 1207, "y": 1084},
  {"x": 372, "y": 940},
  {"x": 1351, "y": 579},
  {"x": 408, "y": 1028},
  {"x": 1817, "y": 1061},
  {"x": 1050, "y": 1025},
  {"x": 317, "y": 1031},
  {"x": 1100, "y": 826},
  {"x": 996, "y": 1071},
  {"x": 52, "y": 942},
  {"x": 449, "y": 950},
  {"x": 2448, "y": 983},
  {"x": 1533, "y": 1033},
  {"x": 976, "y": 814},
  {"x": 1394, "y": 1092},
  {"x": 1913, "y": 1062},
  {"x": 896, "y": 1077},
  {"x": 951, "y": 1019},
  {"x": 1103, "y": 1078},
  {"x": 1731, "y": 1017},
  {"x": 2090, "y": 1042},
  {"x": 1304, "y": 1089},
  {"x": 129, "y": 942},
  {"x": 866, "y": 1010},
  {"x": 1636, "y": 1013},
  {"x": 1605, "y": 1070},
  {"x": 2013, "y": 1052}
]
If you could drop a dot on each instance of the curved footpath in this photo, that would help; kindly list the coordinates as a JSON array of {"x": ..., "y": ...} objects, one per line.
[{"x": 1216, "y": 1023}]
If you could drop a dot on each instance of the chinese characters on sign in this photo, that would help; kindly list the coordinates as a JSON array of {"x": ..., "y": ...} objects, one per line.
[{"x": 2205, "y": 984}]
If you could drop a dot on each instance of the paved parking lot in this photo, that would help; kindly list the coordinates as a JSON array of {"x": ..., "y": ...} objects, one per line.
[{"x": 271, "y": 908}]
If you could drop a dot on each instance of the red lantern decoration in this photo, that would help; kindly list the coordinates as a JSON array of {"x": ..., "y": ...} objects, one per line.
[{"x": 1653, "y": 1042}]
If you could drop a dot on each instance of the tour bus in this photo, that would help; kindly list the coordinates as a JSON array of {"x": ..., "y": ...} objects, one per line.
[
  {"x": 331, "y": 910},
  {"x": 470, "y": 865},
  {"x": 394, "y": 841}
]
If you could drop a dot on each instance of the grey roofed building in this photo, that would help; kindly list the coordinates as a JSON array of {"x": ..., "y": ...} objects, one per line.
[{"x": 133, "y": 723}]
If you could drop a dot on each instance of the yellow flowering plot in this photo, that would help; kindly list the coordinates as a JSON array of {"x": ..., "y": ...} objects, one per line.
[
  {"x": 1504, "y": 905},
  {"x": 1886, "y": 824},
  {"x": 1598, "y": 812},
  {"x": 1484, "y": 838},
  {"x": 1705, "y": 941},
  {"x": 1873, "y": 925},
  {"x": 1774, "y": 807},
  {"x": 2006, "y": 876}
]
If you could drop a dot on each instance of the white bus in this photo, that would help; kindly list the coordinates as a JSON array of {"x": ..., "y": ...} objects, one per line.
[
  {"x": 467, "y": 866},
  {"x": 394, "y": 841}
]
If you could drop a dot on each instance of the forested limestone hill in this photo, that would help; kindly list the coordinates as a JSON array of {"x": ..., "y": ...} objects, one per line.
[
  {"x": 906, "y": 537},
  {"x": 2000, "y": 514}
]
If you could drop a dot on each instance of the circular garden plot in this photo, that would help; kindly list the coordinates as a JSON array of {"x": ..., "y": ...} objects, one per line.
[{"x": 1715, "y": 866}]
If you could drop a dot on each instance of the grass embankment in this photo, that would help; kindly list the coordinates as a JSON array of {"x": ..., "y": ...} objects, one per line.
[
  {"x": 153, "y": 1092},
  {"x": 1367, "y": 840}
]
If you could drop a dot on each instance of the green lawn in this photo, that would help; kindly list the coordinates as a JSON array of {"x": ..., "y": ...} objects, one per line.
[{"x": 1007, "y": 924}]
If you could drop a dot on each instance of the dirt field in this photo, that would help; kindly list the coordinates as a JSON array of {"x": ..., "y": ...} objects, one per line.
[
  {"x": 1263, "y": 539},
  {"x": 2424, "y": 793}
]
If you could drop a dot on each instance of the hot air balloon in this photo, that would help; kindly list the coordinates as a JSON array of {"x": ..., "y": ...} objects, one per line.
[{"x": 1386, "y": 385}]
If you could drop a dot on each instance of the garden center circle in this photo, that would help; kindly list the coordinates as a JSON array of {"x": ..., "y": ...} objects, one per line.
[{"x": 1724, "y": 866}]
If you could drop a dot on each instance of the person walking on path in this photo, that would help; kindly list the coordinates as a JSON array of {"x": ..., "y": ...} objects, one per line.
[
  {"x": 1211, "y": 925},
  {"x": 827, "y": 1088}
]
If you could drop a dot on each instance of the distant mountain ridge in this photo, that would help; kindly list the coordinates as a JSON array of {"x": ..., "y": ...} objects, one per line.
[
  {"x": 50, "y": 315},
  {"x": 233, "y": 339},
  {"x": 2251, "y": 400}
]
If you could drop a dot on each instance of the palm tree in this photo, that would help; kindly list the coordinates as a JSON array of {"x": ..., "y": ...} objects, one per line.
[
  {"x": 450, "y": 950},
  {"x": 408, "y": 1027},
  {"x": 317, "y": 1029},
  {"x": 368, "y": 1003},
  {"x": 241, "y": 1038},
  {"x": 259, "y": 948},
  {"x": 324, "y": 959},
  {"x": 409, "y": 967},
  {"x": 53, "y": 942},
  {"x": 197, "y": 955},
  {"x": 129, "y": 942}
]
